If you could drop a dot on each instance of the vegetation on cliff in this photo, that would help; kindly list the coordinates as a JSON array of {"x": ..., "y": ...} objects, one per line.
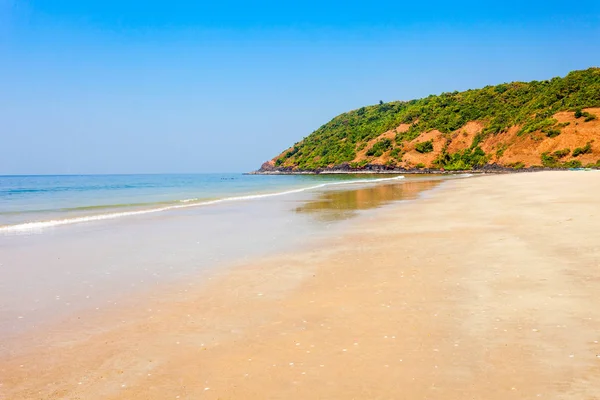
[{"x": 430, "y": 128}]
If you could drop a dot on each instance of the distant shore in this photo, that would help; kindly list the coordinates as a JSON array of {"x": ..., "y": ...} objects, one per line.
[
  {"x": 381, "y": 169},
  {"x": 486, "y": 288}
]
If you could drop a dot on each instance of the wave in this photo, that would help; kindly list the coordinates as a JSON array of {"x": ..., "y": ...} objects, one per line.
[{"x": 186, "y": 203}]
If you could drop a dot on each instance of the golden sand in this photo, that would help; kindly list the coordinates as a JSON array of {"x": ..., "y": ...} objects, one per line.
[{"x": 488, "y": 288}]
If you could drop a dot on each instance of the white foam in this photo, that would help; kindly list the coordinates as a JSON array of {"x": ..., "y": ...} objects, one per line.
[{"x": 40, "y": 225}]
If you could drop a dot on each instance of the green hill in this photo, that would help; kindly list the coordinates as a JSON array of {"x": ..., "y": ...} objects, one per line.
[{"x": 510, "y": 125}]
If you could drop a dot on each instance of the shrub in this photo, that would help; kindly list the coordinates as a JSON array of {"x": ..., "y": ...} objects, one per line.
[
  {"x": 518, "y": 165},
  {"x": 583, "y": 150},
  {"x": 588, "y": 117},
  {"x": 424, "y": 147},
  {"x": 549, "y": 160},
  {"x": 536, "y": 125},
  {"x": 572, "y": 164},
  {"x": 561, "y": 153},
  {"x": 412, "y": 133},
  {"x": 552, "y": 132},
  {"x": 397, "y": 153},
  {"x": 291, "y": 152},
  {"x": 593, "y": 165},
  {"x": 379, "y": 148},
  {"x": 462, "y": 160},
  {"x": 420, "y": 166},
  {"x": 501, "y": 149}
]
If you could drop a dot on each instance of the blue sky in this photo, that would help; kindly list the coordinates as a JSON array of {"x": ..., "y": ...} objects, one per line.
[{"x": 143, "y": 87}]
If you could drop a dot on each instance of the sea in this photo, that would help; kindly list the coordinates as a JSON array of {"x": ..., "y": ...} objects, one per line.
[
  {"x": 31, "y": 203},
  {"x": 78, "y": 243}
]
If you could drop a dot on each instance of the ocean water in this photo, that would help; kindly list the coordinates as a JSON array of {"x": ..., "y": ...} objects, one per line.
[{"x": 32, "y": 203}]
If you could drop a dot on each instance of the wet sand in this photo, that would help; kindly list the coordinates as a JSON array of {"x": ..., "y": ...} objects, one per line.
[
  {"x": 72, "y": 270},
  {"x": 487, "y": 288}
]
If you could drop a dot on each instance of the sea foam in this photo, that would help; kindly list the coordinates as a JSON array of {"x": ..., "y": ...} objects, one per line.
[{"x": 34, "y": 226}]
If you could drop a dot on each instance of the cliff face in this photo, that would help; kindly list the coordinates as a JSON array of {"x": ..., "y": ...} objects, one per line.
[{"x": 552, "y": 124}]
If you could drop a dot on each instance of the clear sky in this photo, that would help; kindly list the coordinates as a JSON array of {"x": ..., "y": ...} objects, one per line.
[{"x": 221, "y": 86}]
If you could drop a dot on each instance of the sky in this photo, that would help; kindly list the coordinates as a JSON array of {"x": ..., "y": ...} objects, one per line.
[{"x": 93, "y": 87}]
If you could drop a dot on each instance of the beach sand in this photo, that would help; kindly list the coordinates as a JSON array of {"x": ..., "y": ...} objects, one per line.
[{"x": 487, "y": 288}]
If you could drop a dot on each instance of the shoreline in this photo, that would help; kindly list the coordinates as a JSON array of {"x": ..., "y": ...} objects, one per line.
[
  {"x": 383, "y": 170},
  {"x": 65, "y": 216},
  {"x": 485, "y": 288}
]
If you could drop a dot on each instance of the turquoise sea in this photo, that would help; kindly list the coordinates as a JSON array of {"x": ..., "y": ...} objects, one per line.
[{"x": 36, "y": 202}]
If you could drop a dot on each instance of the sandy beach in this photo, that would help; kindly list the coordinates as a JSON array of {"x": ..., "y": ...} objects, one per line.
[{"x": 486, "y": 288}]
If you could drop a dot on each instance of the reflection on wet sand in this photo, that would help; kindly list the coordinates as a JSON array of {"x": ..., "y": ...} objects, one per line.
[{"x": 342, "y": 204}]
